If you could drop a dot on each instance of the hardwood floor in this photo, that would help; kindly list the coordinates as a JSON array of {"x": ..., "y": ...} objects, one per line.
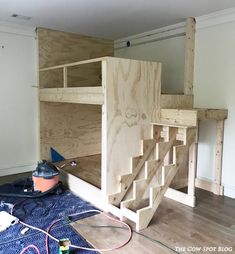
[{"x": 210, "y": 224}]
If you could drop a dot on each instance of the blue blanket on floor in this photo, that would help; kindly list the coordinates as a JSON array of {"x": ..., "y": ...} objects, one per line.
[{"x": 41, "y": 212}]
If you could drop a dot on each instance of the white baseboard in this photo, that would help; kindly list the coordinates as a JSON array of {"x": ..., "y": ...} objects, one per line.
[
  {"x": 17, "y": 168},
  {"x": 229, "y": 191}
]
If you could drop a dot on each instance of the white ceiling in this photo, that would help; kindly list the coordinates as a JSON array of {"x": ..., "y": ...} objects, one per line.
[{"x": 108, "y": 18}]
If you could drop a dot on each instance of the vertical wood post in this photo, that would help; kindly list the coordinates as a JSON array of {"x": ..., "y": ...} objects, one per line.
[
  {"x": 189, "y": 56},
  {"x": 192, "y": 165},
  {"x": 219, "y": 156},
  {"x": 65, "y": 77}
]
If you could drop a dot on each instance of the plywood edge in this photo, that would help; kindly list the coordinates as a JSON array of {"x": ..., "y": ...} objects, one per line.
[
  {"x": 84, "y": 95},
  {"x": 89, "y": 193},
  {"x": 94, "y": 60},
  {"x": 213, "y": 114},
  {"x": 176, "y": 101},
  {"x": 178, "y": 117},
  {"x": 209, "y": 186},
  {"x": 180, "y": 197}
]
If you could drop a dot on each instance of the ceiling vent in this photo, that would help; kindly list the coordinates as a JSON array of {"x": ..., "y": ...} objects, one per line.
[{"x": 22, "y": 17}]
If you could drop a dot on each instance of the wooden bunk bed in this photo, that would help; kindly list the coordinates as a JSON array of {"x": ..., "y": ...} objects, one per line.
[{"x": 132, "y": 144}]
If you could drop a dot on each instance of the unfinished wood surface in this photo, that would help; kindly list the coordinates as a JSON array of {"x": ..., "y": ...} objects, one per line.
[
  {"x": 182, "y": 177},
  {"x": 85, "y": 95},
  {"x": 51, "y": 79},
  {"x": 140, "y": 186},
  {"x": 209, "y": 186},
  {"x": 174, "y": 224},
  {"x": 74, "y": 130},
  {"x": 181, "y": 197},
  {"x": 59, "y": 48},
  {"x": 56, "y": 47},
  {"x": 85, "y": 75},
  {"x": 212, "y": 114},
  {"x": 176, "y": 101},
  {"x": 65, "y": 73},
  {"x": 189, "y": 55},
  {"x": 190, "y": 117},
  {"x": 79, "y": 74},
  {"x": 143, "y": 216},
  {"x": 137, "y": 164},
  {"x": 73, "y": 64},
  {"x": 192, "y": 165},
  {"x": 219, "y": 155},
  {"x": 179, "y": 117},
  {"x": 156, "y": 194},
  {"x": 132, "y": 100},
  {"x": 88, "y": 168}
]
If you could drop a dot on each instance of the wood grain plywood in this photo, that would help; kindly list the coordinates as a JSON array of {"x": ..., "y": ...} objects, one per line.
[
  {"x": 56, "y": 47},
  {"x": 176, "y": 101},
  {"x": 85, "y": 75},
  {"x": 88, "y": 168},
  {"x": 74, "y": 130},
  {"x": 132, "y": 100}
]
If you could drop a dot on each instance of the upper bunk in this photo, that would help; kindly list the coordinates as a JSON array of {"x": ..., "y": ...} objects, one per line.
[
  {"x": 89, "y": 81},
  {"x": 77, "y": 82}
]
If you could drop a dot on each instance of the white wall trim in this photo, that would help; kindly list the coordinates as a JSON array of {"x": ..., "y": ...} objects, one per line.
[
  {"x": 229, "y": 191},
  {"x": 153, "y": 35},
  {"x": 215, "y": 18},
  {"x": 17, "y": 168},
  {"x": 12, "y": 28}
]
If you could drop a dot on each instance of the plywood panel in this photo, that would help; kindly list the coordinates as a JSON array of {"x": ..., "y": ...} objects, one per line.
[
  {"x": 56, "y": 47},
  {"x": 74, "y": 130},
  {"x": 132, "y": 100},
  {"x": 85, "y": 75},
  {"x": 85, "y": 95},
  {"x": 178, "y": 101},
  {"x": 88, "y": 168}
]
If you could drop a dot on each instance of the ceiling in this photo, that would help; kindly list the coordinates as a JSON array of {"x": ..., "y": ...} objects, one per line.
[{"x": 107, "y": 18}]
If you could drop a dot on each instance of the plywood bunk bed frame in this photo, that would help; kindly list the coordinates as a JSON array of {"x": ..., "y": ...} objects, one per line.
[{"x": 132, "y": 144}]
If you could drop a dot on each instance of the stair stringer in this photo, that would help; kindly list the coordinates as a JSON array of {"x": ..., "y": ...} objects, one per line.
[
  {"x": 137, "y": 163},
  {"x": 143, "y": 216}
]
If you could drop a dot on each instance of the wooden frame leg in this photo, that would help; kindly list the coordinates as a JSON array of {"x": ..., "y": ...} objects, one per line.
[
  {"x": 216, "y": 185},
  {"x": 219, "y": 190},
  {"x": 192, "y": 166}
]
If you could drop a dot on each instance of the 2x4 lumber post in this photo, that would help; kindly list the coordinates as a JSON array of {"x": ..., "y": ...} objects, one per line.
[
  {"x": 218, "y": 156},
  {"x": 192, "y": 165},
  {"x": 65, "y": 77},
  {"x": 189, "y": 56}
]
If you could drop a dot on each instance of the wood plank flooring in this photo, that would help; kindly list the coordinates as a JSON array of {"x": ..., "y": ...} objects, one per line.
[{"x": 210, "y": 224}]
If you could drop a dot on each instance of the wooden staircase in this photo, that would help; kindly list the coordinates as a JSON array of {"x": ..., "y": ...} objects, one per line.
[{"x": 162, "y": 157}]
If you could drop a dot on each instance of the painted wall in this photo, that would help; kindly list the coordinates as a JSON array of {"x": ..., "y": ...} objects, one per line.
[
  {"x": 214, "y": 86},
  {"x": 18, "y": 100},
  {"x": 170, "y": 52}
]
